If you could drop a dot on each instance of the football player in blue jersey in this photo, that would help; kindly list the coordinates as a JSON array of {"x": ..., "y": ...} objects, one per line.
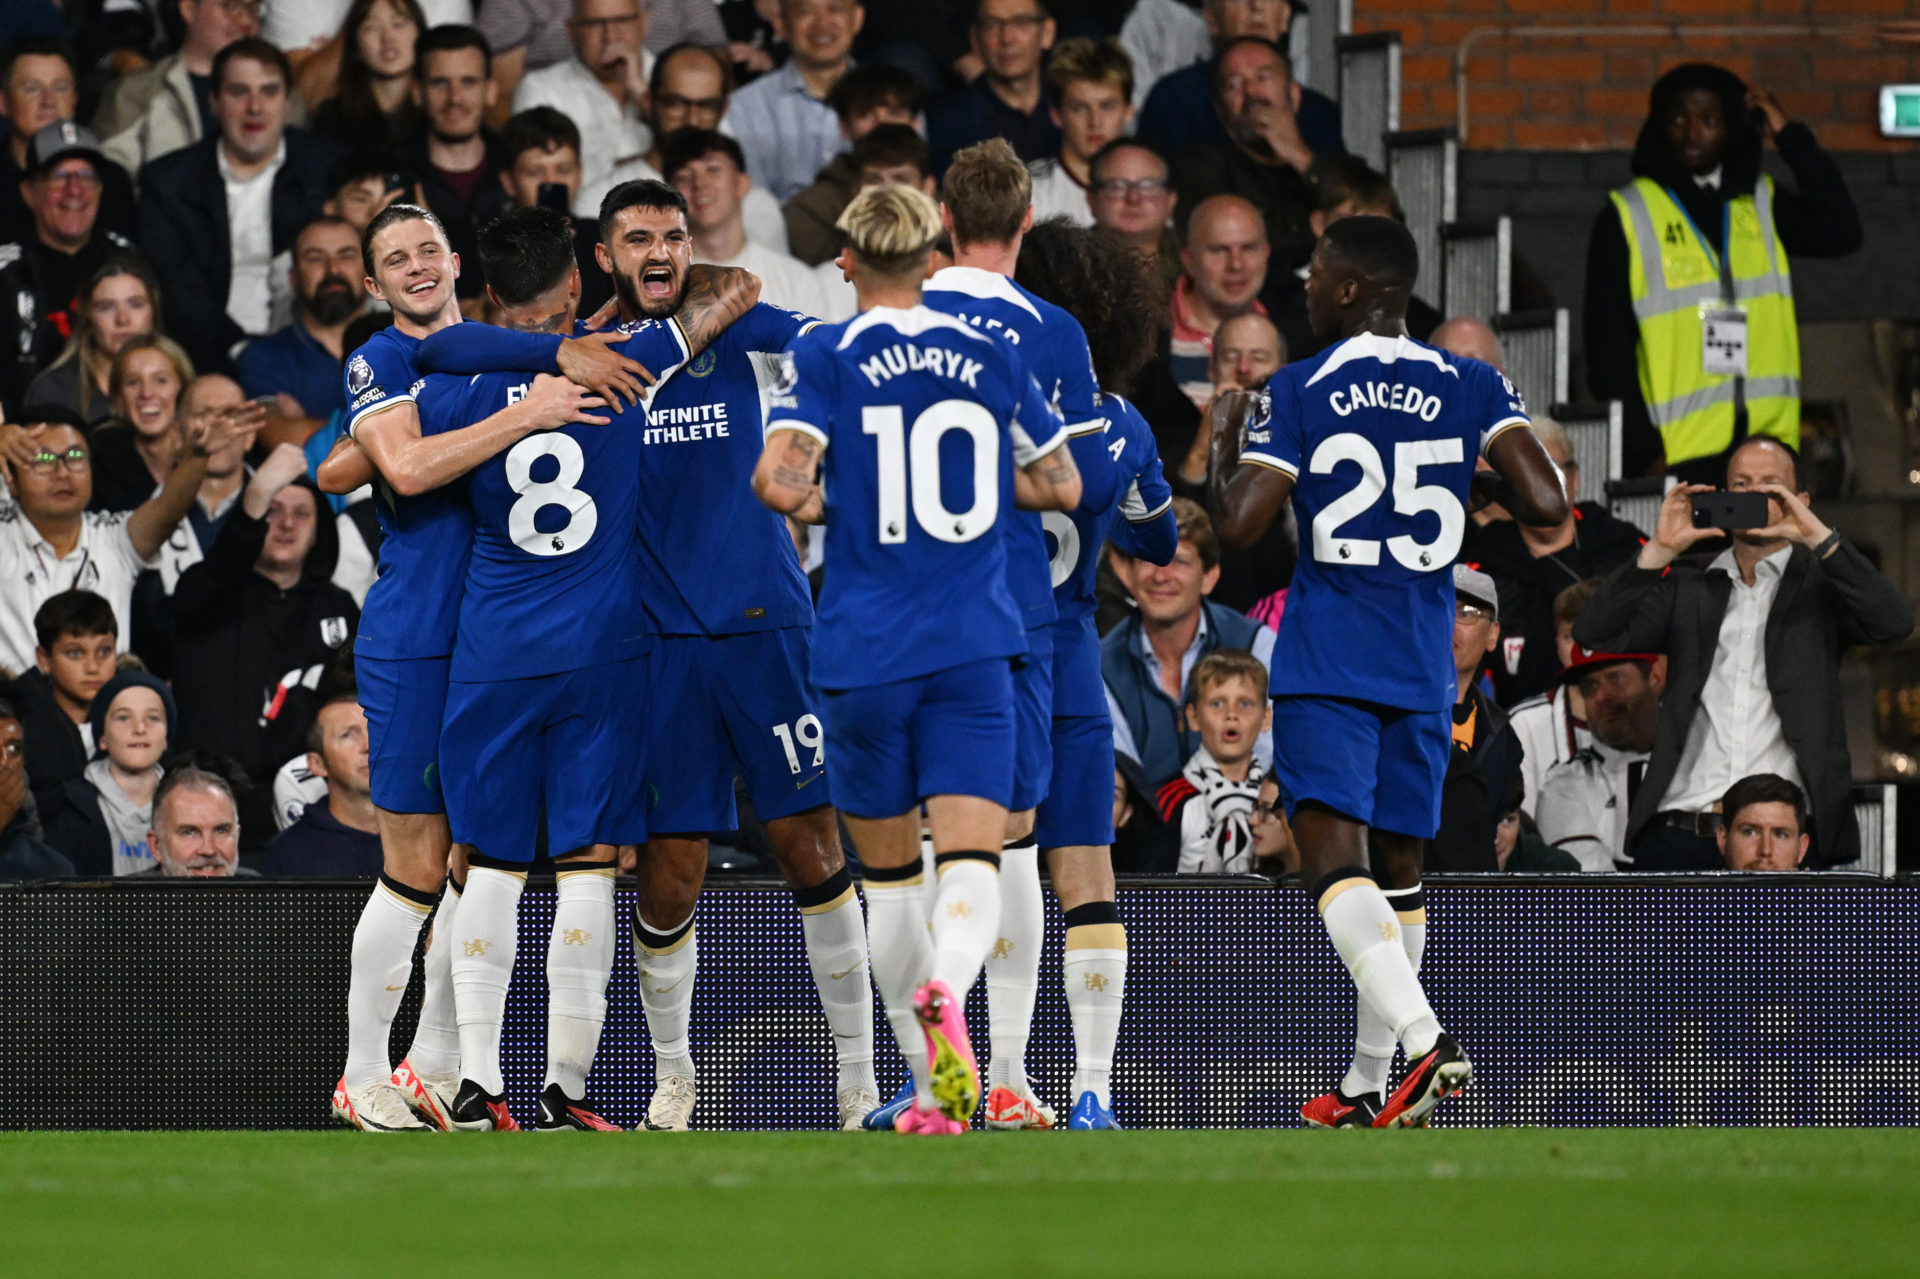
[
  {"x": 732, "y": 618},
  {"x": 926, "y": 433},
  {"x": 1374, "y": 440},
  {"x": 546, "y": 691},
  {"x": 406, "y": 637},
  {"x": 987, "y": 207},
  {"x": 1097, "y": 281}
]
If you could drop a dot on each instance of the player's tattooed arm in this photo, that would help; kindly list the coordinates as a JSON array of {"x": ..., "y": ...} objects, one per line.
[
  {"x": 716, "y": 297},
  {"x": 346, "y": 468},
  {"x": 787, "y": 476},
  {"x": 1243, "y": 500},
  {"x": 591, "y": 362},
  {"x": 1048, "y": 483}
]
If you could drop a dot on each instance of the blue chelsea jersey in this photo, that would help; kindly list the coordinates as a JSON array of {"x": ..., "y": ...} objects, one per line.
[
  {"x": 1139, "y": 500},
  {"x": 923, "y": 420},
  {"x": 714, "y": 560},
  {"x": 1054, "y": 348},
  {"x": 1380, "y": 434},
  {"x": 553, "y": 583},
  {"x": 413, "y": 606}
]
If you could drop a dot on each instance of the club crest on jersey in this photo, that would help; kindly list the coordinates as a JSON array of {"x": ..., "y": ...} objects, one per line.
[
  {"x": 359, "y": 374},
  {"x": 333, "y": 631},
  {"x": 702, "y": 364}
]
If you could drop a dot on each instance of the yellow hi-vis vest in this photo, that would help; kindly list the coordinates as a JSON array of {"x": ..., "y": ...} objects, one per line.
[{"x": 1675, "y": 277}]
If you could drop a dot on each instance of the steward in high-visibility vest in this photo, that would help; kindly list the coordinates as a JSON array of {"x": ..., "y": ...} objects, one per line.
[{"x": 1690, "y": 314}]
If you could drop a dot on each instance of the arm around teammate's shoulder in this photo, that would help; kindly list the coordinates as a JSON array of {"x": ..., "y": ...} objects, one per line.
[{"x": 716, "y": 297}]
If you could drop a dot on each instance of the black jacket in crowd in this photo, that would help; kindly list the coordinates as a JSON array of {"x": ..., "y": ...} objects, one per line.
[
  {"x": 1479, "y": 779},
  {"x": 39, "y": 291},
  {"x": 77, "y": 827},
  {"x": 54, "y": 752},
  {"x": 463, "y": 218},
  {"x": 182, "y": 216},
  {"x": 1817, "y": 219},
  {"x": 1527, "y": 661},
  {"x": 248, "y": 656},
  {"x": 1824, "y": 607}
]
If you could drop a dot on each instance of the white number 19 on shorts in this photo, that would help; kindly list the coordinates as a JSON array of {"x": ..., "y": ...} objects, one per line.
[{"x": 806, "y": 732}]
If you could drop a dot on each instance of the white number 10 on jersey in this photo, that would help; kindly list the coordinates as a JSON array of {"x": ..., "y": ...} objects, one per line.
[
  {"x": 1410, "y": 497},
  {"x": 896, "y": 446}
]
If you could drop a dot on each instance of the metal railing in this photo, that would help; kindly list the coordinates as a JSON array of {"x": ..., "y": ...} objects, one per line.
[
  {"x": 1476, "y": 268},
  {"x": 1369, "y": 92},
  {"x": 1536, "y": 344},
  {"x": 1423, "y": 166},
  {"x": 1596, "y": 432}
]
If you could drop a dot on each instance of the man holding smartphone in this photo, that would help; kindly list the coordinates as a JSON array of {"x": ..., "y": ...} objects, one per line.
[{"x": 1753, "y": 637}]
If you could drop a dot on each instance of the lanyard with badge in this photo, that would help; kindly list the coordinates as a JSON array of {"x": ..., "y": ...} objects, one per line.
[{"x": 1723, "y": 325}]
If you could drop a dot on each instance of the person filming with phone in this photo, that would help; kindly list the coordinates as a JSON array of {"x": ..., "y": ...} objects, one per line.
[{"x": 1753, "y": 633}]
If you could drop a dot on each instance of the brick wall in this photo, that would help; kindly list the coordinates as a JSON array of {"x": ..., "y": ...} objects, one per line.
[{"x": 1591, "y": 93}]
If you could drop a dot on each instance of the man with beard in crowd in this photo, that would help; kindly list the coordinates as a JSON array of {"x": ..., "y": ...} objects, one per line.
[{"x": 299, "y": 366}]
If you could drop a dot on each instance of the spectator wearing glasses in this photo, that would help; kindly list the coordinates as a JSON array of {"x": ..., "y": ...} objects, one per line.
[
  {"x": 1753, "y": 637},
  {"x": 120, "y": 303},
  {"x": 215, "y": 216},
  {"x": 169, "y": 105},
  {"x": 1131, "y": 200},
  {"x": 527, "y": 35},
  {"x": 39, "y": 87},
  {"x": 1483, "y": 769},
  {"x": 1766, "y": 825},
  {"x": 1091, "y": 84},
  {"x": 602, "y": 88},
  {"x": 691, "y": 89},
  {"x": 863, "y": 100},
  {"x": 43, "y": 274},
  {"x": 1008, "y": 99},
  {"x": 50, "y": 542},
  {"x": 786, "y": 125}
]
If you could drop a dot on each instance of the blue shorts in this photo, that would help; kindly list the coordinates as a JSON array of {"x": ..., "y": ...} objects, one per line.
[
  {"x": 405, "y": 702},
  {"x": 1078, "y": 809},
  {"x": 725, "y": 705},
  {"x": 948, "y": 733},
  {"x": 1380, "y": 765},
  {"x": 571, "y": 744},
  {"x": 1033, "y": 721}
]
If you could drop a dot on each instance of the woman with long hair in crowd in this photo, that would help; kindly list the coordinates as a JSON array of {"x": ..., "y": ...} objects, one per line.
[
  {"x": 136, "y": 451},
  {"x": 121, "y": 302},
  {"x": 374, "y": 108}
]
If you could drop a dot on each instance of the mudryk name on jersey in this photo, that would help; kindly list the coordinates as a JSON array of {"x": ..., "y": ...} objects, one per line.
[{"x": 898, "y": 359}]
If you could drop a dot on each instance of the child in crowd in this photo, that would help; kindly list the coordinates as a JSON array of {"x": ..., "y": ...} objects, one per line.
[
  {"x": 76, "y": 636},
  {"x": 102, "y": 818},
  {"x": 1211, "y": 807}
]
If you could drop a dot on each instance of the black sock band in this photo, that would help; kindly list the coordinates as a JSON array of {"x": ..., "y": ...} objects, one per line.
[
  {"x": 1093, "y": 913},
  {"x": 831, "y": 889},
  {"x": 494, "y": 863},
  {"x": 1406, "y": 900},
  {"x": 414, "y": 895},
  {"x": 966, "y": 855},
  {"x": 458, "y": 886},
  {"x": 578, "y": 868},
  {"x": 892, "y": 874},
  {"x": 652, "y": 938},
  {"x": 1333, "y": 877},
  {"x": 1025, "y": 841}
]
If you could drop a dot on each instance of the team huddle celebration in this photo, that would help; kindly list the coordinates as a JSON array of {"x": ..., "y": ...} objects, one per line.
[{"x": 585, "y": 627}]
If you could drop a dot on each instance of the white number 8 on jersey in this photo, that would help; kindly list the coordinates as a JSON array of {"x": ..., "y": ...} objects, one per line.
[{"x": 582, "y": 518}]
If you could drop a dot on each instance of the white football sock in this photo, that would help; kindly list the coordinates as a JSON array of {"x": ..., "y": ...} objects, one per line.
[
  {"x": 836, "y": 937},
  {"x": 1365, "y": 932},
  {"x": 1093, "y": 968},
  {"x": 579, "y": 963},
  {"x": 381, "y": 963},
  {"x": 1373, "y": 1040},
  {"x": 930, "y": 874},
  {"x": 667, "y": 960},
  {"x": 966, "y": 920},
  {"x": 487, "y": 936},
  {"x": 902, "y": 961},
  {"x": 436, "y": 1040},
  {"x": 1013, "y": 966}
]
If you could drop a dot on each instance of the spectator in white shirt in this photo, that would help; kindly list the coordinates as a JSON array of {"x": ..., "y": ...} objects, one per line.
[
  {"x": 706, "y": 166},
  {"x": 1552, "y": 726},
  {"x": 602, "y": 89},
  {"x": 50, "y": 542},
  {"x": 1583, "y": 803},
  {"x": 1091, "y": 87},
  {"x": 787, "y": 129}
]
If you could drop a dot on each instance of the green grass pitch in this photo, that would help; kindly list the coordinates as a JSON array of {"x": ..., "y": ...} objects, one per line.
[{"x": 1522, "y": 1202}]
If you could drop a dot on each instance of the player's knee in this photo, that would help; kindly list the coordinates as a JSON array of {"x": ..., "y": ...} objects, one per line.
[
  {"x": 1020, "y": 826},
  {"x": 806, "y": 847}
]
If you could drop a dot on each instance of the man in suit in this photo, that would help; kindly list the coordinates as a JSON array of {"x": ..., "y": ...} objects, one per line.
[
  {"x": 215, "y": 216},
  {"x": 1753, "y": 638}
]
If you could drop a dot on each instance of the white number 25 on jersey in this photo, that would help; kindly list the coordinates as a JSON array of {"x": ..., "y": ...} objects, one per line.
[{"x": 1410, "y": 497}]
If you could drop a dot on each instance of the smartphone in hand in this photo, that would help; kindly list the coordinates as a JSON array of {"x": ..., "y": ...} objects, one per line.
[{"x": 1730, "y": 511}]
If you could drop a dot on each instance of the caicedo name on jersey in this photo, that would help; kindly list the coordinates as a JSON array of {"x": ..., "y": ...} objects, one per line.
[
  {"x": 899, "y": 358},
  {"x": 1396, "y": 397}
]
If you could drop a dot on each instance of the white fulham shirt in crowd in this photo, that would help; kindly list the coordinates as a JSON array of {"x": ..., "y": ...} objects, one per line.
[
  {"x": 250, "y": 242},
  {"x": 1058, "y": 194},
  {"x": 611, "y": 132},
  {"x": 784, "y": 280},
  {"x": 102, "y": 561}
]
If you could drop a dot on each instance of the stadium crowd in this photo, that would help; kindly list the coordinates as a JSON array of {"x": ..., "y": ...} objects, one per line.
[{"x": 180, "y": 290}]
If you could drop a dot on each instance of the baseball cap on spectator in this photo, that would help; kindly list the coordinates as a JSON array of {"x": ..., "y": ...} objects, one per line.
[
  {"x": 59, "y": 140},
  {"x": 1583, "y": 660},
  {"x": 1475, "y": 587},
  {"x": 103, "y": 702}
]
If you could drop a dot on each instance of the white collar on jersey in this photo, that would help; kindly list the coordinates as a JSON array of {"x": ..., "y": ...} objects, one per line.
[
  {"x": 1374, "y": 346},
  {"x": 906, "y": 323},
  {"x": 977, "y": 283}
]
